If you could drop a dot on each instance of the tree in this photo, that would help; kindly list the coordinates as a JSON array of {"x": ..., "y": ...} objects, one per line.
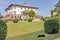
[
  {"x": 31, "y": 14},
  {"x": 1, "y": 16}
]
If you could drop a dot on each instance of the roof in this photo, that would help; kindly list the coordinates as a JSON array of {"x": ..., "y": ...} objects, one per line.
[{"x": 20, "y": 6}]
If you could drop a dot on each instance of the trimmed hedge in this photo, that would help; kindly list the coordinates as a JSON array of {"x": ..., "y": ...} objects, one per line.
[
  {"x": 51, "y": 26},
  {"x": 15, "y": 20},
  {"x": 3, "y": 30}
]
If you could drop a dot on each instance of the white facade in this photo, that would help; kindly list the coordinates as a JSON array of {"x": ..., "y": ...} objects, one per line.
[
  {"x": 19, "y": 10},
  {"x": 14, "y": 9}
]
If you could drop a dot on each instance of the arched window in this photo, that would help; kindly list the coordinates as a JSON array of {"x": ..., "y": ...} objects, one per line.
[
  {"x": 11, "y": 16},
  {"x": 20, "y": 17},
  {"x": 15, "y": 16}
]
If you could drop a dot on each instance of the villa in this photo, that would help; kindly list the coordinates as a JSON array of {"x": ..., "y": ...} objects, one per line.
[{"x": 14, "y": 11}]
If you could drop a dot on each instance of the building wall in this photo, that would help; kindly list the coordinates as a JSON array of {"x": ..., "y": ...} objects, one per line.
[
  {"x": 19, "y": 10},
  {"x": 10, "y": 11},
  {"x": 57, "y": 10},
  {"x": 14, "y": 10},
  {"x": 54, "y": 13}
]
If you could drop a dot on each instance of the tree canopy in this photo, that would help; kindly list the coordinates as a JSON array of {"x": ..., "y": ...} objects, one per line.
[
  {"x": 1, "y": 16},
  {"x": 31, "y": 13}
]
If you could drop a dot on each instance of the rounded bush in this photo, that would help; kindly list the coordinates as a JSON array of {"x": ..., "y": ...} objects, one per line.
[
  {"x": 3, "y": 30},
  {"x": 29, "y": 20},
  {"x": 15, "y": 20},
  {"x": 51, "y": 26}
]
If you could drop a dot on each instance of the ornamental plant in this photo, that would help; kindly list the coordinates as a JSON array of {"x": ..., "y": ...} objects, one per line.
[
  {"x": 51, "y": 26},
  {"x": 3, "y": 30}
]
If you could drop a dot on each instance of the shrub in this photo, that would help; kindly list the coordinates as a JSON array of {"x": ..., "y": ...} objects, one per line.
[
  {"x": 51, "y": 26},
  {"x": 15, "y": 20},
  {"x": 25, "y": 19},
  {"x": 3, "y": 30},
  {"x": 20, "y": 19},
  {"x": 6, "y": 21},
  {"x": 42, "y": 18},
  {"x": 1, "y": 16},
  {"x": 29, "y": 20}
]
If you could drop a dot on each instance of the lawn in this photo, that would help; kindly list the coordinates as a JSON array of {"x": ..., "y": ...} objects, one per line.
[
  {"x": 34, "y": 36},
  {"x": 24, "y": 30},
  {"x": 23, "y": 27}
]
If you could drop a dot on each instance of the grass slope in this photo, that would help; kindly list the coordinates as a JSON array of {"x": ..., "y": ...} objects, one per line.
[
  {"x": 34, "y": 36},
  {"x": 28, "y": 31},
  {"x": 23, "y": 27}
]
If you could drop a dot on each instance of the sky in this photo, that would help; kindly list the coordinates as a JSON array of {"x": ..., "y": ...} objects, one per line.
[{"x": 44, "y": 6}]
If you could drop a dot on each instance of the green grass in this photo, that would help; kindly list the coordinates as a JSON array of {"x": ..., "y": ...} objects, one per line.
[
  {"x": 34, "y": 36},
  {"x": 28, "y": 31},
  {"x": 23, "y": 27}
]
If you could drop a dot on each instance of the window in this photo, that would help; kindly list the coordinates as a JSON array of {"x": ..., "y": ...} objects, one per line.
[
  {"x": 9, "y": 12},
  {"x": 14, "y": 12},
  {"x": 11, "y": 16},
  {"x": 28, "y": 8},
  {"x": 25, "y": 8},
  {"x": 14, "y": 7},
  {"x": 21, "y": 8},
  {"x": 15, "y": 16},
  {"x": 10, "y": 7}
]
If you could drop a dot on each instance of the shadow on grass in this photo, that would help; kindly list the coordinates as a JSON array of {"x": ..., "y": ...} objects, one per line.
[{"x": 34, "y": 36}]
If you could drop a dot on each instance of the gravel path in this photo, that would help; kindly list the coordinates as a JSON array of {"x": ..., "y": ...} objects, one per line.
[{"x": 57, "y": 39}]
